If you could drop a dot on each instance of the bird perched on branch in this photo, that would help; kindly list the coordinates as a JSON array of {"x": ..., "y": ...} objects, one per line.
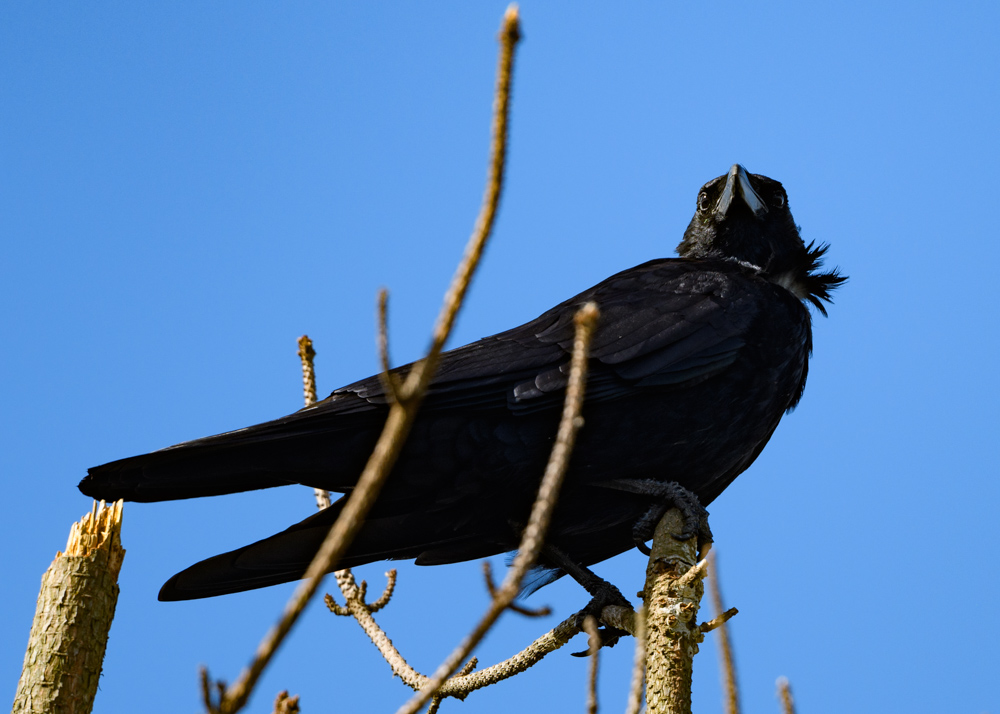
[{"x": 693, "y": 363}]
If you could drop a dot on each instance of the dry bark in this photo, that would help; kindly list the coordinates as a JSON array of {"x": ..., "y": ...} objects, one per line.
[{"x": 76, "y": 604}]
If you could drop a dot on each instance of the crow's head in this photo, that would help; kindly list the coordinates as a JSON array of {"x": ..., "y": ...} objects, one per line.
[{"x": 745, "y": 217}]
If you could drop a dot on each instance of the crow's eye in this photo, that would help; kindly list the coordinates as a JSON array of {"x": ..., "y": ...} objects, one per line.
[
  {"x": 703, "y": 202},
  {"x": 779, "y": 200}
]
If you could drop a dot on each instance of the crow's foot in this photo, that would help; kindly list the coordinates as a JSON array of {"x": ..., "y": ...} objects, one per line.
[
  {"x": 608, "y": 636},
  {"x": 601, "y": 591},
  {"x": 668, "y": 495}
]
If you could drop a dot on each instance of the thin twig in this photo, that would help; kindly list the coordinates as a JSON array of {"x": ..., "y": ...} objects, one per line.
[
  {"x": 402, "y": 412},
  {"x": 639, "y": 664},
  {"x": 389, "y": 380},
  {"x": 594, "y": 648},
  {"x": 465, "y": 681},
  {"x": 361, "y": 612},
  {"x": 513, "y": 607},
  {"x": 698, "y": 571},
  {"x": 284, "y": 704},
  {"x": 352, "y": 590},
  {"x": 307, "y": 355},
  {"x": 785, "y": 694},
  {"x": 719, "y": 620},
  {"x": 510, "y": 33},
  {"x": 390, "y": 586},
  {"x": 460, "y": 686},
  {"x": 732, "y": 696},
  {"x": 541, "y": 511}
]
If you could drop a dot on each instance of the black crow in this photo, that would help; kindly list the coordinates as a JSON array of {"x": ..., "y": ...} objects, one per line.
[{"x": 693, "y": 363}]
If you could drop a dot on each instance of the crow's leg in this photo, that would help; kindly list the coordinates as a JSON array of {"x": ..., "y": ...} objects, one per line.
[
  {"x": 667, "y": 495},
  {"x": 601, "y": 591},
  {"x": 598, "y": 587}
]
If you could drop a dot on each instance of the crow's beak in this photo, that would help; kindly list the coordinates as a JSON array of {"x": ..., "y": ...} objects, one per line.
[{"x": 738, "y": 186}]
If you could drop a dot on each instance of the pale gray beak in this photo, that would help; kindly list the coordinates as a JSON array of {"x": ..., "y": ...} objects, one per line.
[{"x": 738, "y": 186}]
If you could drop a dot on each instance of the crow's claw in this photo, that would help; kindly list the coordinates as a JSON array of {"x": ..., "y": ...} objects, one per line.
[
  {"x": 608, "y": 637},
  {"x": 640, "y": 544},
  {"x": 604, "y": 595}
]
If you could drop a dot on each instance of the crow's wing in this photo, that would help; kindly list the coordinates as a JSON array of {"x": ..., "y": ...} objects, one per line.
[{"x": 667, "y": 323}]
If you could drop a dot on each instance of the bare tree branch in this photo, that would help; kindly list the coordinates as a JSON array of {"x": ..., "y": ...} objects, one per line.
[
  {"x": 732, "y": 694},
  {"x": 307, "y": 354},
  {"x": 284, "y": 704},
  {"x": 403, "y": 411},
  {"x": 390, "y": 381},
  {"x": 719, "y": 620},
  {"x": 465, "y": 681},
  {"x": 362, "y": 612},
  {"x": 510, "y": 33},
  {"x": 513, "y": 607},
  {"x": 672, "y": 593},
  {"x": 594, "y": 649},
  {"x": 386, "y": 596},
  {"x": 635, "y": 698},
  {"x": 76, "y": 605},
  {"x": 785, "y": 694},
  {"x": 541, "y": 511}
]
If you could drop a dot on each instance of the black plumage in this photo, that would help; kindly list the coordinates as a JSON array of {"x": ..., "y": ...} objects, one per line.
[{"x": 694, "y": 362}]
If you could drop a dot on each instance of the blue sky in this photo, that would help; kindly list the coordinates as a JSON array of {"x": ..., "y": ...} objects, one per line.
[{"x": 185, "y": 190}]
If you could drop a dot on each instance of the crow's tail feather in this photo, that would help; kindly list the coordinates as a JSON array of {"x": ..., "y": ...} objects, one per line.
[
  {"x": 321, "y": 451},
  {"x": 393, "y": 531}
]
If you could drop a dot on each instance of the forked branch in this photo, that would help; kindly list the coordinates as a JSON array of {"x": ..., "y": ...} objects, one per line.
[{"x": 466, "y": 680}]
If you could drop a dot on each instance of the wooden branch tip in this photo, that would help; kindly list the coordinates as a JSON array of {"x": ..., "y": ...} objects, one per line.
[
  {"x": 94, "y": 530},
  {"x": 491, "y": 587},
  {"x": 334, "y": 607},
  {"x": 594, "y": 648},
  {"x": 307, "y": 355},
  {"x": 719, "y": 620},
  {"x": 214, "y": 703},
  {"x": 386, "y": 596},
  {"x": 698, "y": 571},
  {"x": 587, "y": 315},
  {"x": 390, "y": 381},
  {"x": 785, "y": 695},
  {"x": 511, "y": 30},
  {"x": 420, "y": 374},
  {"x": 284, "y": 704}
]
